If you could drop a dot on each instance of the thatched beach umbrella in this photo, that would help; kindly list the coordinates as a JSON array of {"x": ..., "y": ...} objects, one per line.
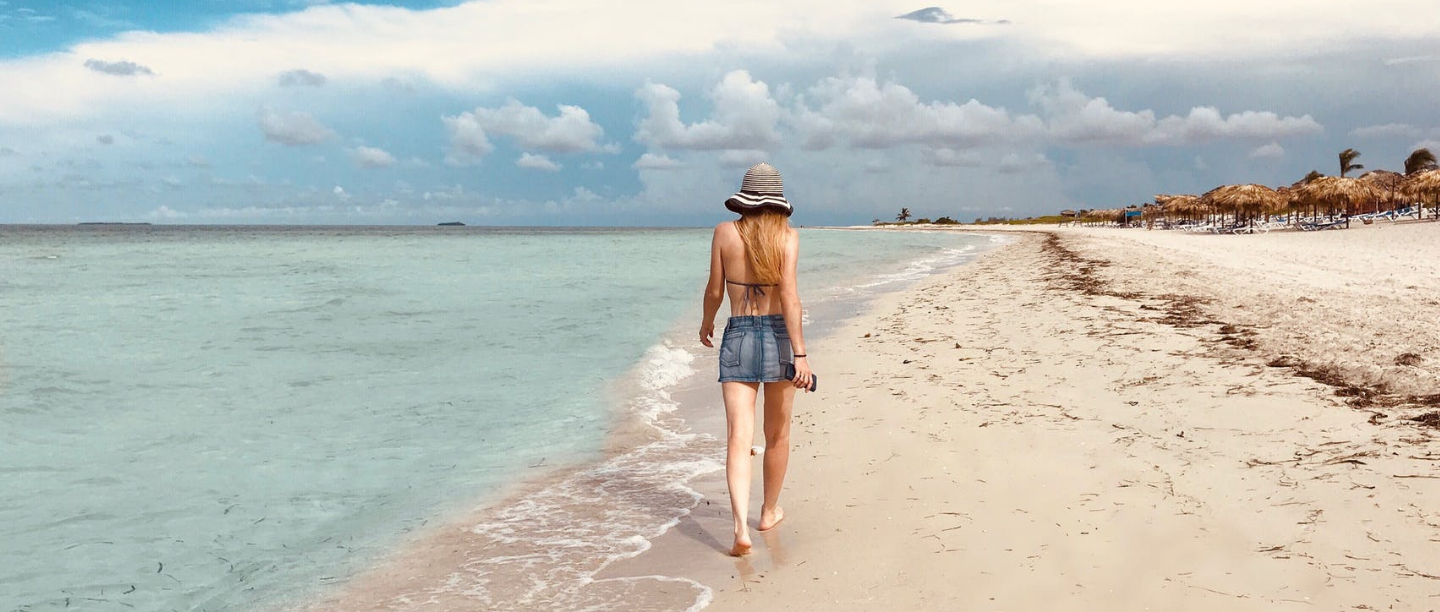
[
  {"x": 1251, "y": 200},
  {"x": 1338, "y": 193},
  {"x": 1185, "y": 203},
  {"x": 1183, "y": 206},
  {"x": 1425, "y": 187},
  {"x": 1390, "y": 186}
]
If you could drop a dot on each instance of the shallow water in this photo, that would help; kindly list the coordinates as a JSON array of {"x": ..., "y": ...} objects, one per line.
[{"x": 223, "y": 418}]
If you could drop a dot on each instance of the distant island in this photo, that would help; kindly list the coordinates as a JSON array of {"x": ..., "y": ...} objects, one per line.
[
  {"x": 451, "y": 223},
  {"x": 108, "y": 223}
]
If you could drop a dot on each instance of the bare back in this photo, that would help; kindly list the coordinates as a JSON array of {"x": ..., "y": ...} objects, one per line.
[{"x": 735, "y": 267}]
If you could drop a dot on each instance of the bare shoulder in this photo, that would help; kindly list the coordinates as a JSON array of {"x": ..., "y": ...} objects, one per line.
[{"x": 724, "y": 228}]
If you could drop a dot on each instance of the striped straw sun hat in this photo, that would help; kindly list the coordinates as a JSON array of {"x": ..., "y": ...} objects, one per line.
[{"x": 761, "y": 188}]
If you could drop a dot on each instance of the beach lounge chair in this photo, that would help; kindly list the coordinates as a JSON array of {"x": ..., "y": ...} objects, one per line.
[{"x": 1316, "y": 227}]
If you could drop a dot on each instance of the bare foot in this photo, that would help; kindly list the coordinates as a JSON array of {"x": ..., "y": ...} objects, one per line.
[
  {"x": 769, "y": 519},
  {"x": 742, "y": 545}
]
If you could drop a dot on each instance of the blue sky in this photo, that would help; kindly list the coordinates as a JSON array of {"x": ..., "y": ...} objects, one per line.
[
  {"x": 30, "y": 26},
  {"x": 647, "y": 112}
]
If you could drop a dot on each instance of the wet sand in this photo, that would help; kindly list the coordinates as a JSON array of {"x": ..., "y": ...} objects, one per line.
[{"x": 1113, "y": 419}]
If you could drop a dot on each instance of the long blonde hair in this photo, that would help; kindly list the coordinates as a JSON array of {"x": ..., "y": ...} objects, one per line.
[{"x": 764, "y": 233}]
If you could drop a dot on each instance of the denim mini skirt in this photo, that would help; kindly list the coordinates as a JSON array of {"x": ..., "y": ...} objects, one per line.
[{"x": 756, "y": 349}]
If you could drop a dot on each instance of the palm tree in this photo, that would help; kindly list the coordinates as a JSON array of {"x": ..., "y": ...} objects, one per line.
[
  {"x": 903, "y": 216},
  {"x": 1314, "y": 174},
  {"x": 1420, "y": 161},
  {"x": 1346, "y": 157}
]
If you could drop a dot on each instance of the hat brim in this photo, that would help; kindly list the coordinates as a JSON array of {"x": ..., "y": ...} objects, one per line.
[{"x": 748, "y": 202}]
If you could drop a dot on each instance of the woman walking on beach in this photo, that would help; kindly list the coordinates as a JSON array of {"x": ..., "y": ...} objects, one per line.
[{"x": 753, "y": 259}]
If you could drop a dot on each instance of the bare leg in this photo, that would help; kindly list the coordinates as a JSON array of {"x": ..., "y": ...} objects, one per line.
[
  {"x": 779, "y": 399},
  {"x": 740, "y": 428}
]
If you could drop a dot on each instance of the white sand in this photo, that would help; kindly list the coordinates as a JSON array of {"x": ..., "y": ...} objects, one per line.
[{"x": 1038, "y": 432}]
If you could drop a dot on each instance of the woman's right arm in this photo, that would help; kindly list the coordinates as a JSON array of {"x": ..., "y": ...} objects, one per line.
[
  {"x": 793, "y": 311},
  {"x": 714, "y": 291}
]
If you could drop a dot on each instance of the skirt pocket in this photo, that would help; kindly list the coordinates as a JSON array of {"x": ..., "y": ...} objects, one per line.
[{"x": 730, "y": 348}]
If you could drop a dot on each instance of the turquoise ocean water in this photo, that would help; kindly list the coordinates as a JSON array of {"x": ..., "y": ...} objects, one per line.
[{"x": 227, "y": 418}]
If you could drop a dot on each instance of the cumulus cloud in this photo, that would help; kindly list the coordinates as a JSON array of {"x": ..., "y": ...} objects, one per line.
[
  {"x": 121, "y": 68},
  {"x": 468, "y": 142},
  {"x": 1388, "y": 130},
  {"x": 570, "y": 131},
  {"x": 745, "y": 117},
  {"x": 935, "y": 14},
  {"x": 651, "y": 161},
  {"x": 537, "y": 162},
  {"x": 523, "y": 39},
  {"x": 293, "y": 129},
  {"x": 105, "y": 139},
  {"x": 871, "y": 115},
  {"x": 371, "y": 157},
  {"x": 1076, "y": 118},
  {"x": 340, "y": 193},
  {"x": 1269, "y": 151},
  {"x": 300, "y": 78}
]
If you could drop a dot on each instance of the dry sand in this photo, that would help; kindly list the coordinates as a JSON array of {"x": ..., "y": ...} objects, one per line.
[{"x": 1102, "y": 419}]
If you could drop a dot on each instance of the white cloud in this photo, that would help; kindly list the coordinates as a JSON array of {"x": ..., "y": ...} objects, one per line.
[
  {"x": 568, "y": 132},
  {"x": 745, "y": 117},
  {"x": 1386, "y": 131},
  {"x": 340, "y": 193},
  {"x": 371, "y": 157},
  {"x": 1269, "y": 151},
  {"x": 1073, "y": 117},
  {"x": 523, "y": 38},
  {"x": 537, "y": 162},
  {"x": 292, "y": 129},
  {"x": 868, "y": 114},
  {"x": 467, "y": 140},
  {"x": 651, "y": 161}
]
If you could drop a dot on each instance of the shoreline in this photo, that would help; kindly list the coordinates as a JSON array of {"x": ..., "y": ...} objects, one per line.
[
  {"x": 651, "y": 429},
  {"x": 1065, "y": 420}
]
